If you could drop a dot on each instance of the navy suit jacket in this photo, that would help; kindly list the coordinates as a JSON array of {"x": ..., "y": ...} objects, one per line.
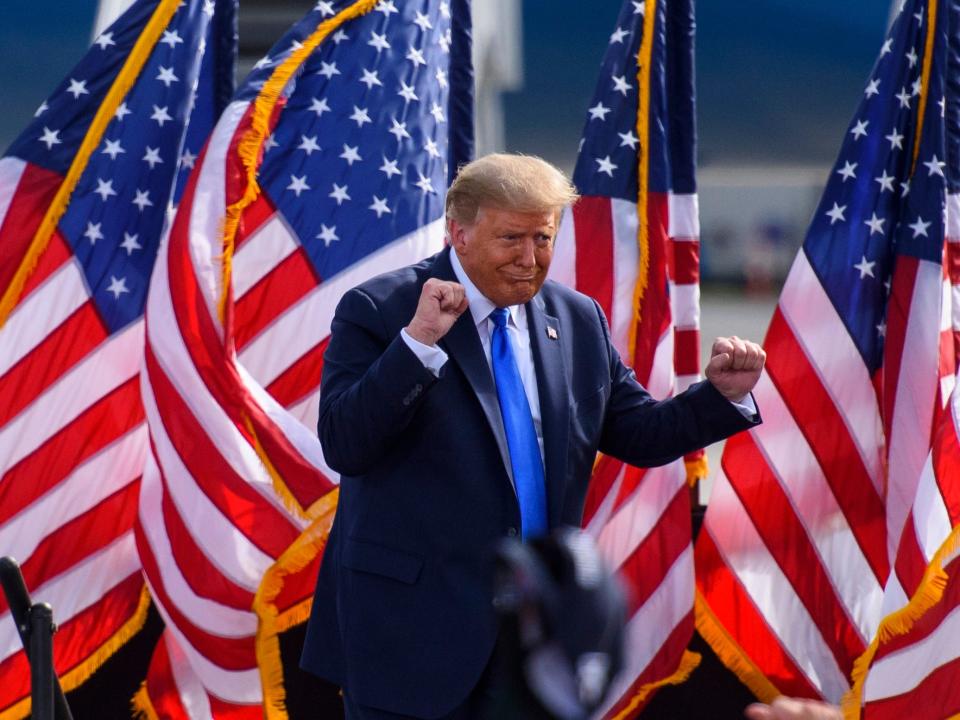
[{"x": 402, "y": 616}]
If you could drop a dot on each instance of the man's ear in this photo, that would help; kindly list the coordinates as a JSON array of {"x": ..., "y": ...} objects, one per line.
[{"x": 457, "y": 234}]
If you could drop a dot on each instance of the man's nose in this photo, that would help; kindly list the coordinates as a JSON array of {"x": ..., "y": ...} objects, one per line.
[{"x": 526, "y": 255}]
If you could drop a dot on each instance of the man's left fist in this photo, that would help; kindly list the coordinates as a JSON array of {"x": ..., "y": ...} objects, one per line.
[{"x": 735, "y": 366}]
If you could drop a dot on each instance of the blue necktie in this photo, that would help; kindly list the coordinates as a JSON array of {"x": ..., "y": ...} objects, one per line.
[{"x": 521, "y": 434}]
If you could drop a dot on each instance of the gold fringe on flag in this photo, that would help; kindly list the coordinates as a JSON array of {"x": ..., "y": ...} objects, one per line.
[
  {"x": 79, "y": 674},
  {"x": 928, "y": 594},
  {"x": 58, "y": 206},
  {"x": 141, "y": 707},
  {"x": 731, "y": 654},
  {"x": 688, "y": 663}
]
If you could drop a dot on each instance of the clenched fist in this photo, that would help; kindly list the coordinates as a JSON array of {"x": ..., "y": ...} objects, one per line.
[
  {"x": 441, "y": 303},
  {"x": 735, "y": 366},
  {"x": 784, "y": 708}
]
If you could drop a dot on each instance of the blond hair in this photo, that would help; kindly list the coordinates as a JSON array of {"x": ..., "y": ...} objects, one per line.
[{"x": 522, "y": 183}]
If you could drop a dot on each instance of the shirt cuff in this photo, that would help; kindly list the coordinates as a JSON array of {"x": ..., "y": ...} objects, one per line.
[
  {"x": 746, "y": 406},
  {"x": 432, "y": 356}
]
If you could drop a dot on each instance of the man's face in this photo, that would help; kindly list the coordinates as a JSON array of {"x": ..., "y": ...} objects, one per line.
[{"x": 506, "y": 253}]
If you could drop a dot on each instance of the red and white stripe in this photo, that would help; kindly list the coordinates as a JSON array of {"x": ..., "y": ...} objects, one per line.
[
  {"x": 211, "y": 523},
  {"x": 641, "y": 518},
  {"x": 72, "y": 446},
  {"x": 804, "y": 521},
  {"x": 914, "y": 669}
]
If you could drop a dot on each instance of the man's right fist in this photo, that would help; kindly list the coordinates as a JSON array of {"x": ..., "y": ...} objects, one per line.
[{"x": 441, "y": 303}]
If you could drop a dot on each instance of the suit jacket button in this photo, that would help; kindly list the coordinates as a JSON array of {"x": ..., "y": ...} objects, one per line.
[{"x": 511, "y": 532}]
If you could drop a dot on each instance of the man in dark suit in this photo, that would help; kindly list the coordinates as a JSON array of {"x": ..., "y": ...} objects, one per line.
[{"x": 464, "y": 400}]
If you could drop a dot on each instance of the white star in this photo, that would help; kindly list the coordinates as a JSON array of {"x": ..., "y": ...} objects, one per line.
[
  {"x": 872, "y": 88},
  {"x": 942, "y": 102},
  {"x": 298, "y": 184},
  {"x": 441, "y": 78},
  {"x": 621, "y": 85},
  {"x": 882, "y": 329},
  {"x": 339, "y": 36},
  {"x": 416, "y": 56},
  {"x": 865, "y": 268},
  {"x": 319, "y": 106},
  {"x": 886, "y": 181},
  {"x": 919, "y": 17},
  {"x": 445, "y": 9},
  {"x": 130, "y": 243},
  {"x": 308, "y": 144},
  {"x": 919, "y": 227},
  {"x": 860, "y": 129},
  {"x": 389, "y": 167},
  {"x": 42, "y": 109},
  {"x": 896, "y": 140},
  {"x": 437, "y": 113},
  {"x": 628, "y": 139},
  {"x": 171, "y": 38},
  {"x": 618, "y": 35},
  {"x": 378, "y": 41},
  {"x": 424, "y": 184},
  {"x": 327, "y": 234},
  {"x": 92, "y": 233},
  {"x": 339, "y": 193},
  {"x": 379, "y": 206},
  {"x": 399, "y": 129},
  {"x": 605, "y": 166},
  {"x": 78, "y": 88},
  {"x": 160, "y": 115},
  {"x": 444, "y": 41},
  {"x": 117, "y": 287},
  {"x": 209, "y": 8},
  {"x": 350, "y": 154},
  {"x": 50, "y": 137},
  {"x": 407, "y": 93},
  {"x": 360, "y": 116},
  {"x": 887, "y": 47},
  {"x": 104, "y": 41},
  {"x": 370, "y": 79},
  {"x": 325, "y": 7},
  {"x": 934, "y": 166},
  {"x": 422, "y": 21},
  {"x": 598, "y": 111},
  {"x": 836, "y": 213},
  {"x": 142, "y": 200},
  {"x": 104, "y": 189},
  {"x": 904, "y": 188},
  {"x": 166, "y": 76},
  {"x": 917, "y": 86},
  {"x": 122, "y": 111},
  {"x": 875, "y": 224},
  {"x": 431, "y": 147},
  {"x": 904, "y": 97},
  {"x": 328, "y": 70},
  {"x": 188, "y": 159},
  {"x": 848, "y": 170},
  {"x": 270, "y": 143},
  {"x": 112, "y": 149},
  {"x": 638, "y": 7},
  {"x": 265, "y": 61},
  {"x": 912, "y": 57},
  {"x": 386, "y": 7}
]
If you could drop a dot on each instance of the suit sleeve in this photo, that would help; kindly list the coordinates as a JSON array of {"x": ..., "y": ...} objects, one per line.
[
  {"x": 642, "y": 431},
  {"x": 371, "y": 387}
]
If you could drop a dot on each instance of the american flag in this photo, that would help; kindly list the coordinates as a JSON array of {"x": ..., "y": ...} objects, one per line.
[
  {"x": 632, "y": 242},
  {"x": 329, "y": 166},
  {"x": 808, "y": 510},
  {"x": 910, "y": 669},
  {"x": 83, "y": 195}
]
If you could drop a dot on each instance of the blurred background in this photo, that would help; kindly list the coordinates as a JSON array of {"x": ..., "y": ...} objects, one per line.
[{"x": 777, "y": 83}]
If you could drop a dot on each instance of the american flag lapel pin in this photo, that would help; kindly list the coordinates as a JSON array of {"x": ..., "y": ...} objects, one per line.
[{"x": 552, "y": 333}]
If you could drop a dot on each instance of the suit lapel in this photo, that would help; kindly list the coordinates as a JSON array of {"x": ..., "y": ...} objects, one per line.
[
  {"x": 462, "y": 345},
  {"x": 546, "y": 344}
]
